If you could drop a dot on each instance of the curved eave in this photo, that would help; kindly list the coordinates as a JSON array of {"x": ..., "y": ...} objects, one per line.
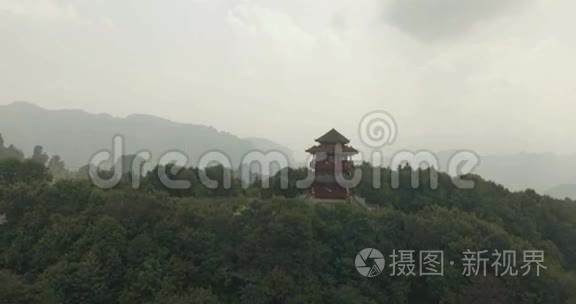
[{"x": 331, "y": 149}]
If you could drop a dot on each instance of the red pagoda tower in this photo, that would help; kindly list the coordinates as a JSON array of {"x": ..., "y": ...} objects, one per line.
[{"x": 332, "y": 156}]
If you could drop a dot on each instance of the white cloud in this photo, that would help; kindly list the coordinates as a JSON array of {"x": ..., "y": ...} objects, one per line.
[
  {"x": 278, "y": 27},
  {"x": 441, "y": 19},
  {"x": 39, "y": 9},
  {"x": 297, "y": 58}
]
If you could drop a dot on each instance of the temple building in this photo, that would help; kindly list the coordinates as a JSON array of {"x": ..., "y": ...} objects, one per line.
[{"x": 332, "y": 162}]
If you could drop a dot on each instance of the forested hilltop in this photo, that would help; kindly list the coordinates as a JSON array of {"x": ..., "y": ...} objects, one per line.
[{"x": 64, "y": 240}]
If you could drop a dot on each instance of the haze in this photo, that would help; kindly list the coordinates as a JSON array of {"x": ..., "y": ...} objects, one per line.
[{"x": 494, "y": 76}]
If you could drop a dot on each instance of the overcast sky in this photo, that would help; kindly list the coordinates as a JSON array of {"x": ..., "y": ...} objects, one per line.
[{"x": 497, "y": 76}]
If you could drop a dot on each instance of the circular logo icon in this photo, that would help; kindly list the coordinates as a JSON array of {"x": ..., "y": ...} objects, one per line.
[
  {"x": 370, "y": 262},
  {"x": 378, "y": 129}
]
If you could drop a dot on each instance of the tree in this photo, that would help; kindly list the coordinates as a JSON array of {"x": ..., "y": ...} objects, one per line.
[
  {"x": 10, "y": 152},
  {"x": 193, "y": 296},
  {"x": 56, "y": 167},
  {"x": 39, "y": 156},
  {"x": 28, "y": 171},
  {"x": 13, "y": 290}
]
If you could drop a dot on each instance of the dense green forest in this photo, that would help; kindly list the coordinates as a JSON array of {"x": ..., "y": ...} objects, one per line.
[{"x": 63, "y": 240}]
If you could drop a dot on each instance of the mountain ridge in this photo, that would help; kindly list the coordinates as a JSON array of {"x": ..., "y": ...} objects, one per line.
[{"x": 76, "y": 135}]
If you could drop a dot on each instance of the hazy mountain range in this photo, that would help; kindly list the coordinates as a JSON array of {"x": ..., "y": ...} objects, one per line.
[
  {"x": 547, "y": 173},
  {"x": 76, "y": 135},
  {"x": 562, "y": 191}
]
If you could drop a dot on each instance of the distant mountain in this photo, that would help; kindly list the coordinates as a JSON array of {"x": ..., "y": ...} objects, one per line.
[
  {"x": 76, "y": 135},
  {"x": 562, "y": 192},
  {"x": 521, "y": 171},
  {"x": 529, "y": 170},
  {"x": 268, "y": 145}
]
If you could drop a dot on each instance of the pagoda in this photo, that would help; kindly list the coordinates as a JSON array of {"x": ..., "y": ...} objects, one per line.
[{"x": 332, "y": 156}]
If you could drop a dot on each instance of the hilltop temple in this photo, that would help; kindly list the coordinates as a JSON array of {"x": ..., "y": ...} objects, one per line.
[{"x": 332, "y": 156}]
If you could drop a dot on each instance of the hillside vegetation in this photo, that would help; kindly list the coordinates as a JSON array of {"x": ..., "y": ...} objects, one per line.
[{"x": 67, "y": 241}]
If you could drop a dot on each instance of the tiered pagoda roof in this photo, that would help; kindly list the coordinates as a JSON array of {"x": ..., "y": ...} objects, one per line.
[
  {"x": 333, "y": 137},
  {"x": 332, "y": 142}
]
